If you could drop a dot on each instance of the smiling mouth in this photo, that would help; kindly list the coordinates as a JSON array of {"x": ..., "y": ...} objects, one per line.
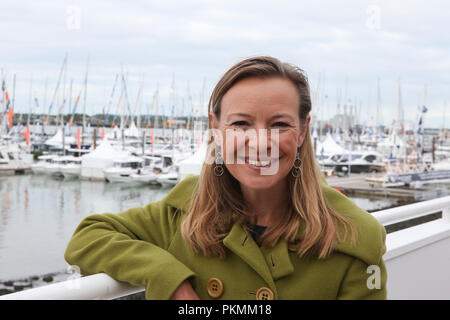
[{"x": 259, "y": 163}]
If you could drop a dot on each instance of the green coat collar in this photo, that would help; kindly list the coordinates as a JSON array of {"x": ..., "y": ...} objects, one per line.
[{"x": 369, "y": 248}]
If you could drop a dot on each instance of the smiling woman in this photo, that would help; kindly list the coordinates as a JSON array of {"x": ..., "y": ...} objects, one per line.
[{"x": 234, "y": 231}]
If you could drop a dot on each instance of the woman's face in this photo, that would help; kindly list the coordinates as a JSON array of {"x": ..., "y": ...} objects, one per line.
[{"x": 252, "y": 111}]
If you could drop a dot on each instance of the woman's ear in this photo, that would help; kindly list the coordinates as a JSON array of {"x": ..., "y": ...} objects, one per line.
[
  {"x": 214, "y": 129},
  {"x": 213, "y": 120}
]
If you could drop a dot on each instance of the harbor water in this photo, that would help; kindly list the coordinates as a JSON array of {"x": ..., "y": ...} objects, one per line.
[{"x": 39, "y": 213}]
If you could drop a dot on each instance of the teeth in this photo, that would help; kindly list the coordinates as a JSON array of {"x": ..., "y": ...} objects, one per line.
[{"x": 259, "y": 163}]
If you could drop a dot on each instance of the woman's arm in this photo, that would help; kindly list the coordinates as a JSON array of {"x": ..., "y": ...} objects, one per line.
[
  {"x": 131, "y": 246},
  {"x": 364, "y": 282}
]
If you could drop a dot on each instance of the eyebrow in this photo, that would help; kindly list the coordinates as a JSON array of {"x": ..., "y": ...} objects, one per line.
[{"x": 246, "y": 115}]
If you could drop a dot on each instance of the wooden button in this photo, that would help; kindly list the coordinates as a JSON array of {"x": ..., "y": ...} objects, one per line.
[
  {"x": 264, "y": 293},
  {"x": 214, "y": 288}
]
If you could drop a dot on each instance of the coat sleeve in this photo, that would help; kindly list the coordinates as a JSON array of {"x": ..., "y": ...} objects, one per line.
[
  {"x": 364, "y": 282},
  {"x": 131, "y": 246}
]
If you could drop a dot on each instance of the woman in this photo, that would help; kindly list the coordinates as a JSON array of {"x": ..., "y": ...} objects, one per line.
[{"x": 259, "y": 222}]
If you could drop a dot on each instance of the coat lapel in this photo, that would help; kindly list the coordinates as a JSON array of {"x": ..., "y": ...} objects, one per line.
[
  {"x": 278, "y": 260},
  {"x": 243, "y": 245}
]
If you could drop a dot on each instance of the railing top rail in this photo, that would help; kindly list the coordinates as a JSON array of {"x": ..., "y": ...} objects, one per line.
[
  {"x": 411, "y": 211},
  {"x": 93, "y": 287}
]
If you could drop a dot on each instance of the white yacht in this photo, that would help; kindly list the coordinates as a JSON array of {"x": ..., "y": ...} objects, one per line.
[
  {"x": 94, "y": 163},
  {"x": 71, "y": 168},
  {"x": 55, "y": 165},
  {"x": 43, "y": 160},
  {"x": 123, "y": 168},
  {"x": 359, "y": 162},
  {"x": 169, "y": 178},
  {"x": 13, "y": 159}
]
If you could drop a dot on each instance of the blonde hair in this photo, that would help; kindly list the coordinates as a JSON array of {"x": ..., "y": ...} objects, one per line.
[{"x": 218, "y": 203}]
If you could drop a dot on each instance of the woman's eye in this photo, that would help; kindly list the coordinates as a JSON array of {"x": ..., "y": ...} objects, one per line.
[
  {"x": 280, "y": 124},
  {"x": 240, "y": 123}
]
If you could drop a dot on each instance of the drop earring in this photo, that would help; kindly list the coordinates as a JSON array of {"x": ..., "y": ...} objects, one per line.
[
  {"x": 298, "y": 165},
  {"x": 218, "y": 168}
]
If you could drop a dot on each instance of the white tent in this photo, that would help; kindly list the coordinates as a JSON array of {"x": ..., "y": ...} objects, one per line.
[
  {"x": 132, "y": 131},
  {"x": 329, "y": 146},
  {"x": 93, "y": 163},
  {"x": 194, "y": 163},
  {"x": 57, "y": 140}
]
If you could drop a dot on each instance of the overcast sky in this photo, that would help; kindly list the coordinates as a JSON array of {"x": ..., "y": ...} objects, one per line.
[{"x": 346, "y": 45}]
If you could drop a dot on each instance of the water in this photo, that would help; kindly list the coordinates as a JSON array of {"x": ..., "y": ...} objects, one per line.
[{"x": 38, "y": 215}]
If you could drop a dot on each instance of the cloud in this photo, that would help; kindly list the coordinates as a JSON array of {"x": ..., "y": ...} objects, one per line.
[{"x": 347, "y": 44}]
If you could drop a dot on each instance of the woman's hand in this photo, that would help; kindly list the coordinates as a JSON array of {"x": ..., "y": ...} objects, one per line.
[{"x": 185, "y": 292}]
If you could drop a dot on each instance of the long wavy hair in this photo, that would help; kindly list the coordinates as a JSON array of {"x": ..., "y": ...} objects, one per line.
[{"x": 218, "y": 203}]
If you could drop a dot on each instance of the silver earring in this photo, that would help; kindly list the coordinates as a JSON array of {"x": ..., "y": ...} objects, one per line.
[
  {"x": 298, "y": 165},
  {"x": 218, "y": 168}
]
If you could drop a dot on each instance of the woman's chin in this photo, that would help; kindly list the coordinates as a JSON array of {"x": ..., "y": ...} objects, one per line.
[{"x": 259, "y": 182}]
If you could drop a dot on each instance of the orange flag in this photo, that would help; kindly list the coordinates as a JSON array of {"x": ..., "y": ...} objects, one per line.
[
  {"x": 103, "y": 133},
  {"x": 10, "y": 117},
  {"x": 26, "y": 134}
]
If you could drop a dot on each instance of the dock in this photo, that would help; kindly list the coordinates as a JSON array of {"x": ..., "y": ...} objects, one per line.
[{"x": 356, "y": 184}]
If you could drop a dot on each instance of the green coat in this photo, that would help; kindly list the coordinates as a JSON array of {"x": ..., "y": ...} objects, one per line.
[{"x": 144, "y": 246}]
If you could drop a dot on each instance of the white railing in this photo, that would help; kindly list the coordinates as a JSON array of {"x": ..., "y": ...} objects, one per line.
[{"x": 417, "y": 260}]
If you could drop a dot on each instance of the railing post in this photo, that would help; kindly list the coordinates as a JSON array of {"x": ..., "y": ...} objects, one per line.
[{"x": 446, "y": 214}]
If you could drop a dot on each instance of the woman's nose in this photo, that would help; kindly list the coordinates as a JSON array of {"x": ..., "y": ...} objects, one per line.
[{"x": 260, "y": 144}]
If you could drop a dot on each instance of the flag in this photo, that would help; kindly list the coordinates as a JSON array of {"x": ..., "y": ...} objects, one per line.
[
  {"x": 26, "y": 135},
  {"x": 103, "y": 133},
  {"x": 172, "y": 114},
  {"x": 10, "y": 116}
]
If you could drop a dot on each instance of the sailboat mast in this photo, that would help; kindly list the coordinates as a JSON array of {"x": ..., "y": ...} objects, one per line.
[
  {"x": 30, "y": 100},
  {"x": 379, "y": 108},
  {"x": 400, "y": 114},
  {"x": 444, "y": 130},
  {"x": 13, "y": 101},
  {"x": 84, "y": 99},
  {"x": 70, "y": 100}
]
